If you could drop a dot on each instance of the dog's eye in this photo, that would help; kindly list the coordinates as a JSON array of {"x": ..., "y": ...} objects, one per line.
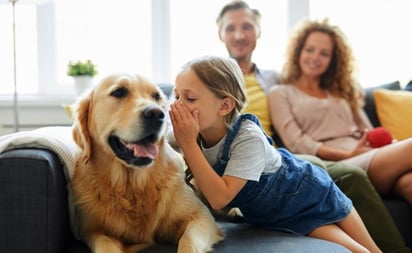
[
  {"x": 156, "y": 96},
  {"x": 119, "y": 93}
]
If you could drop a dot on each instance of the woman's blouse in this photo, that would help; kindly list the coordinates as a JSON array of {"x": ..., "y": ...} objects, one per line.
[{"x": 305, "y": 122}]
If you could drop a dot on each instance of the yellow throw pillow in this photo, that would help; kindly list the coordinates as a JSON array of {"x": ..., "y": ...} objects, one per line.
[{"x": 394, "y": 109}]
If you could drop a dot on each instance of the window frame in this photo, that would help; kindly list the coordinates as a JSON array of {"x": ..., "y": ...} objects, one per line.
[{"x": 161, "y": 55}]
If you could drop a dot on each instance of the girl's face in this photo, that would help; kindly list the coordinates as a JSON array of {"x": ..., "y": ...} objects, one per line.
[
  {"x": 316, "y": 54},
  {"x": 191, "y": 91}
]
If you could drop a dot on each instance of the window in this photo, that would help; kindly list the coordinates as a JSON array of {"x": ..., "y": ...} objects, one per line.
[
  {"x": 116, "y": 35},
  {"x": 120, "y": 35},
  {"x": 156, "y": 37},
  {"x": 194, "y": 33},
  {"x": 26, "y": 42},
  {"x": 378, "y": 32}
]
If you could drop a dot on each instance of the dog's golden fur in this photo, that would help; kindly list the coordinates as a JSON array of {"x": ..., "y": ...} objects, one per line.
[{"x": 134, "y": 201}]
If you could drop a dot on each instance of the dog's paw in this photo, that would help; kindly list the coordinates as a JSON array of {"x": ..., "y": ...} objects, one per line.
[{"x": 234, "y": 212}]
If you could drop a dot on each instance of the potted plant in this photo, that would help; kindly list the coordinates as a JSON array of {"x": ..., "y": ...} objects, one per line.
[
  {"x": 81, "y": 68},
  {"x": 82, "y": 73}
]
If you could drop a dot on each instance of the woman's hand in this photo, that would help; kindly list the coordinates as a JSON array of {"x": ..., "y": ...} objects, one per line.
[{"x": 361, "y": 147}]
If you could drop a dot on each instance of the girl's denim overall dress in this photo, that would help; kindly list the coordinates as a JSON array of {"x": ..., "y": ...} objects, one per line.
[{"x": 297, "y": 198}]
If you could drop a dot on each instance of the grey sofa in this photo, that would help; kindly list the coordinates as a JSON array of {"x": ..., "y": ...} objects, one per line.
[{"x": 34, "y": 214}]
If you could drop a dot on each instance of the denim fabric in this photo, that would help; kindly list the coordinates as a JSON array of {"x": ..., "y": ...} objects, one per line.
[{"x": 297, "y": 198}]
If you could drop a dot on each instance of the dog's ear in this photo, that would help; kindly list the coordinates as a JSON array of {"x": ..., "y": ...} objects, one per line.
[{"x": 81, "y": 133}]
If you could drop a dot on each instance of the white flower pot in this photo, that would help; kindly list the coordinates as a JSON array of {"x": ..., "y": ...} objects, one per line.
[{"x": 82, "y": 83}]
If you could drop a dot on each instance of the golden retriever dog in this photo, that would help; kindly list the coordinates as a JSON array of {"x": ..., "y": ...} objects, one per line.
[{"x": 128, "y": 181}]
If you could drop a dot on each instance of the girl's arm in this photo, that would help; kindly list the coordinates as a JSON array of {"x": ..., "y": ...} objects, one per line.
[{"x": 219, "y": 191}]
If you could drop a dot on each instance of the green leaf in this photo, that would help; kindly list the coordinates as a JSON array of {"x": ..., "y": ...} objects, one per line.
[{"x": 81, "y": 68}]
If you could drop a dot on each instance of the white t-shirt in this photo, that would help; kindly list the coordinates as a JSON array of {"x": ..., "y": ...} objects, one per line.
[{"x": 250, "y": 154}]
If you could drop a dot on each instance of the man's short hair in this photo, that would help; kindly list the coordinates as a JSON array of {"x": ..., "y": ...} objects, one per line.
[{"x": 237, "y": 5}]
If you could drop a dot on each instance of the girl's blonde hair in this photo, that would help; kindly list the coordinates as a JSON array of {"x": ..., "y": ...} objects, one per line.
[
  {"x": 338, "y": 78},
  {"x": 224, "y": 78}
]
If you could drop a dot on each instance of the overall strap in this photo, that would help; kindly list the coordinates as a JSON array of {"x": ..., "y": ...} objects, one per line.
[
  {"x": 255, "y": 119},
  {"x": 220, "y": 165}
]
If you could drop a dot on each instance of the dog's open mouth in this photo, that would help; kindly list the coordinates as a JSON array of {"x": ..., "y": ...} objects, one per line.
[{"x": 138, "y": 153}]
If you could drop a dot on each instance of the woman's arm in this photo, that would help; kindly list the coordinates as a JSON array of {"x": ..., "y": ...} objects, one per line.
[
  {"x": 285, "y": 124},
  {"x": 333, "y": 154}
]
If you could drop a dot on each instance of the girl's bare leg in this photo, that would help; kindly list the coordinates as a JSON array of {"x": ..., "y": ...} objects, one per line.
[
  {"x": 350, "y": 233},
  {"x": 333, "y": 233}
]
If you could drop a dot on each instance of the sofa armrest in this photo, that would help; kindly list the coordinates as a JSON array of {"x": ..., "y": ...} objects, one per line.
[{"x": 33, "y": 199}]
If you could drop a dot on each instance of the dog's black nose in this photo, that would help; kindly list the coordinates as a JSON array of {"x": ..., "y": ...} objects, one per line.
[{"x": 153, "y": 117}]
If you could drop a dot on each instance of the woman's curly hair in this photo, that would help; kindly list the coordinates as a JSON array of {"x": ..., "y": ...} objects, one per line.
[{"x": 338, "y": 78}]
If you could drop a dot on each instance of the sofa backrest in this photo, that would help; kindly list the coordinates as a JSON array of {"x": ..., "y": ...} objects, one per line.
[
  {"x": 370, "y": 106},
  {"x": 167, "y": 88}
]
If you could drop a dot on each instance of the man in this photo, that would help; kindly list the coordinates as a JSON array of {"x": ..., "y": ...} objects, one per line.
[{"x": 239, "y": 30}]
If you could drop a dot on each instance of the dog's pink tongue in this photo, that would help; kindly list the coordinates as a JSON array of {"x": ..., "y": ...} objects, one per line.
[{"x": 149, "y": 150}]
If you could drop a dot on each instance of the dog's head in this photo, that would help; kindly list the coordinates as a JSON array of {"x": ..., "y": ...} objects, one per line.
[{"x": 123, "y": 116}]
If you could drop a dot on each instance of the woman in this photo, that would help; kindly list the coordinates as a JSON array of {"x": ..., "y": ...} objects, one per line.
[{"x": 319, "y": 110}]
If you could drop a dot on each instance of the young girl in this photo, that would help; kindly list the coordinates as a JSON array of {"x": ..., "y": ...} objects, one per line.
[{"x": 235, "y": 165}]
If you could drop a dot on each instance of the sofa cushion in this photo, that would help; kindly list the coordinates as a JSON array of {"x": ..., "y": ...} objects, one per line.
[
  {"x": 247, "y": 238},
  {"x": 370, "y": 107},
  {"x": 394, "y": 109},
  {"x": 242, "y": 237}
]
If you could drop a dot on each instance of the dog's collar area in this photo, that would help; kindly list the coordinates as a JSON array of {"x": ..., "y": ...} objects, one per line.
[{"x": 139, "y": 154}]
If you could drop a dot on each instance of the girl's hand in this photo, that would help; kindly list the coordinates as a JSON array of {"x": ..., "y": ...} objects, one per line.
[{"x": 185, "y": 125}]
